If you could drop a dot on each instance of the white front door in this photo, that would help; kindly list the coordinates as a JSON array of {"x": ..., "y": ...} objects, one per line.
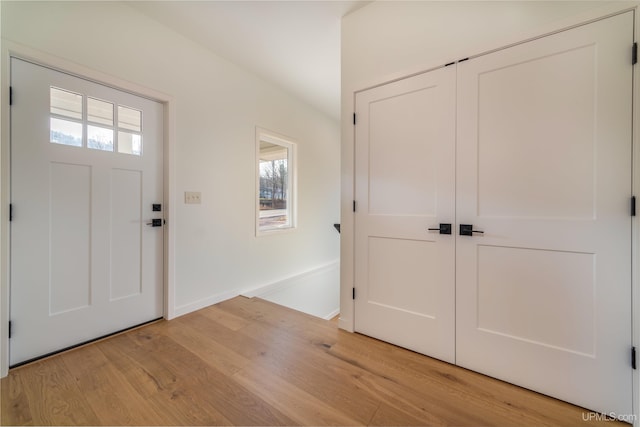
[
  {"x": 543, "y": 296},
  {"x": 405, "y": 149},
  {"x": 86, "y": 170}
]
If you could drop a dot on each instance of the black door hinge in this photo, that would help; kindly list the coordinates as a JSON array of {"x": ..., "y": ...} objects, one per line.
[
  {"x": 633, "y": 357},
  {"x": 353, "y": 293},
  {"x": 354, "y": 119},
  {"x": 634, "y": 54},
  {"x": 10, "y": 212},
  {"x": 10, "y": 329},
  {"x": 633, "y": 205},
  {"x": 10, "y": 95},
  {"x": 354, "y": 205}
]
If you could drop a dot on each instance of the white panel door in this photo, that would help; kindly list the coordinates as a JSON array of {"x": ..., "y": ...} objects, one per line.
[
  {"x": 543, "y": 296},
  {"x": 405, "y": 148},
  {"x": 86, "y": 167}
]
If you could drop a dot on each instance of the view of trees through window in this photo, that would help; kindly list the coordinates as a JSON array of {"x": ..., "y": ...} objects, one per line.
[{"x": 274, "y": 202}]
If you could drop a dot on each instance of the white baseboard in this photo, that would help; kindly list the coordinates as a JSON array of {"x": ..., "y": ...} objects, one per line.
[
  {"x": 331, "y": 315},
  {"x": 204, "y": 302},
  {"x": 287, "y": 281}
]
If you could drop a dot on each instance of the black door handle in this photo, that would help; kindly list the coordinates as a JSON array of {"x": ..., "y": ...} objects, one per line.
[
  {"x": 467, "y": 230},
  {"x": 156, "y": 222},
  {"x": 443, "y": 229}
]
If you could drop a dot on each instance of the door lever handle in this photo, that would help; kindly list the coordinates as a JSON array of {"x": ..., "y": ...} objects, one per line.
[
  {"x": 443, "y": 229},
  {"x": 156, "y": 222},
  {"x": 467, "y": 230}
]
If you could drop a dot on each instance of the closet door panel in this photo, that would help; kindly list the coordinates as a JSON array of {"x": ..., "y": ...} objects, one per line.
[
  {"x": 405, "y": 143},
  {"x": 543, "y": 294}
]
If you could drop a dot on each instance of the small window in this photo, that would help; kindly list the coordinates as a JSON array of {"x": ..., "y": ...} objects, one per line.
[
  {"x": 69, "y": 120},
  {"x": 275, "y": 183}
]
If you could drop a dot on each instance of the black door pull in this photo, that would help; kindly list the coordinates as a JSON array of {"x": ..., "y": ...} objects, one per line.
[
  {"x": 443, "y": 229},
  {"x": 156, "y": 222},
  {"x": 467, "y": 230}
]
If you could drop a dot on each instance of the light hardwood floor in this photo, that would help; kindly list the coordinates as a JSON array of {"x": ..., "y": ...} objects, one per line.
[{"x": 251, "y": 362}]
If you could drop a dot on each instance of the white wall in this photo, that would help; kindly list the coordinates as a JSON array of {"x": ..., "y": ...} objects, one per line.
[
  {"x": 385, "y": 41},
  {"x": 216, "y": 107},
  {"x": 316, "y": 293}
]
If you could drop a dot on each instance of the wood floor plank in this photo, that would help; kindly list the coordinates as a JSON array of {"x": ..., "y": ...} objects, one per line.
[
  {"x": 146, "y": 378},
  {"x": 169, "y": 387},
  {"x": 14, "y": 407},
  {"x": 251, "y": 362},
  {"x": 225, "y": 318},
  {"x": 301, "y": 406},
  {"x": 201, "y": 344},
  {"x": 301, "y": 363},
  {"x": 364, "y": 386},
  {"x": 209, "y": 387},
  {"x": 235, "y": 341},
  {"x": 269, "y": 313},
  {"x": 107, "y": 390},
  {"x": 54, "y": 397}
]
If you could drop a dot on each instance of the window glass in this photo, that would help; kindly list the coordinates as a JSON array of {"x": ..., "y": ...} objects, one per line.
[
  {"x": 65, "y": 132},
  {"x": 129, "y": 143},
  {"x": 275, "y": 171},
  {"x": 65, "y": 103},
  {"x": 99, "y": 138},
  {"x": 99, "y": 112},
  {"x": 129, "y": 119}
]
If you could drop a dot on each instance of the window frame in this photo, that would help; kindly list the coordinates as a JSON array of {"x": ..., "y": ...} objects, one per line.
[{"x": 292, "y": 166}]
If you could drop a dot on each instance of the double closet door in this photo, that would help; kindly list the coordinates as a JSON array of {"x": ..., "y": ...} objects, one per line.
[{"x": 493, "y": 228}]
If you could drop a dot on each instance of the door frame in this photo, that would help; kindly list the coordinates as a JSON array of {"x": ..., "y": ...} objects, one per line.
[
  {"x": 15, "y": 50},
  {"x": 347, "y": 240}
]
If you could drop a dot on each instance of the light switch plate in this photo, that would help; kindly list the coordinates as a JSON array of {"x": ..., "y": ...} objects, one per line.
[{"x": 192, "y": 197}]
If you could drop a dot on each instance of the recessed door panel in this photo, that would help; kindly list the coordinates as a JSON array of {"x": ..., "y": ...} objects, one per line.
[
  {"x": 407, "y": 264},
  {"x": 401, "y": 184},
  {"x": 525, "y": 294},
  {"x": 526, "y": 144},
  {"x": 127, "y": 224},
  {"x": 70, "y": 227}
]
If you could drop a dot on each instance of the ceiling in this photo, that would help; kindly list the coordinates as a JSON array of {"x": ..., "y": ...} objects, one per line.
[{"x": 293, "y": 44}]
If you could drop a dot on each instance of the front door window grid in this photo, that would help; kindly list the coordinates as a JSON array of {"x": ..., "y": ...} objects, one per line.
[{"x": 74, "y": 115}]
